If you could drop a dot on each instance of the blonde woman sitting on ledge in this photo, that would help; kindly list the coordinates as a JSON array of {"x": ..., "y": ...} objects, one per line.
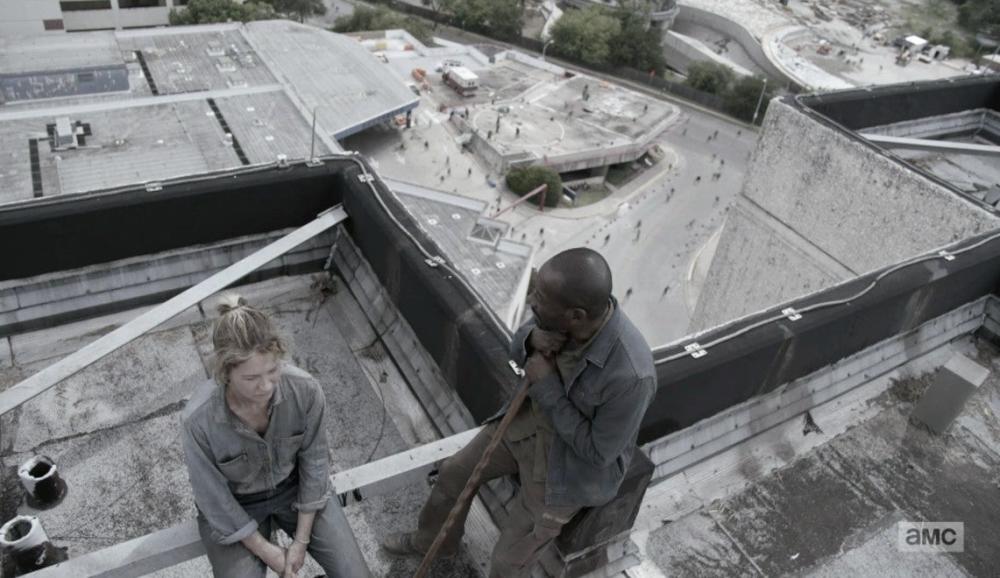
[{"x": 256, "y": 454}]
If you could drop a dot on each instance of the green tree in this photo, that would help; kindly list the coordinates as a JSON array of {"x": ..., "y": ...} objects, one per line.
[
  {"x": 302, "y": 9},
  {"x": 741, "y": 98},
  {"x": 497, "y": 18},
  {"x": 523, "y": 180},
  {"x": 711, "y": 77},
  {"x": 381, "y": 18},
  {"x": 208, "y": 11},
  {"x": 980, "y": 16},
  {"x": 637, "y": 44},
  {"x": 586, "y": 35}
]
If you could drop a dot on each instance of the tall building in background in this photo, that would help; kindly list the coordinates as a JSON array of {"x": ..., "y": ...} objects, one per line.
[{"x": 36, "y": 16}]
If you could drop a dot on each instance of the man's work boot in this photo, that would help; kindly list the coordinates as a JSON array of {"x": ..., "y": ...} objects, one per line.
[{"x": 401, "y": 544}]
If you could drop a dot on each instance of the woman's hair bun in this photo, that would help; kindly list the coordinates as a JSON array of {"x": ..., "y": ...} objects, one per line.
[{"x": 229, "y": 302}]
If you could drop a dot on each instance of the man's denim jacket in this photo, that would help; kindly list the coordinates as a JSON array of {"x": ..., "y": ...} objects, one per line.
[
  {"x": 224, "y": 456},
  {"x": 596, "y": 414}
]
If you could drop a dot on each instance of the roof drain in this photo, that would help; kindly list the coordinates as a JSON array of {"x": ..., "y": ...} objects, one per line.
[
  {"x": 28, "y": 544},
  {"x": 42, "y": 482}
]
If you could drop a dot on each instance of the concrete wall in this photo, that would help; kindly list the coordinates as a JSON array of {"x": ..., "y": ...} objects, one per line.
[
  {"x": 118, "y": 18},
  {"x": 818, "y": 206},
  {"x": 734, "y": 288},
  {"x": 26, "y": 16},
  {"x": 517, "y": 56},
  {"x": 739, "y": 34},
  {"x": 36, "y": 302},
  {"x": 79, "y": 20},
  {"x": 948, "y": 124},
  {"x": 481, "y": 147},
  {"x": 680, "y": 51}
]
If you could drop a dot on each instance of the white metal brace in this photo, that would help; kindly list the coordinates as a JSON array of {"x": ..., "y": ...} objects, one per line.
[
  {"x": 791, "y": 314},
  {"x": 695, "y": 350}
]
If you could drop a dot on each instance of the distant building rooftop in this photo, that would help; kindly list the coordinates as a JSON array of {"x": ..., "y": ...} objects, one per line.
[
  {"x": 497, "y": 267},
  {"x": 547, "y": 114},
  {"x": 146, "y": 105}
]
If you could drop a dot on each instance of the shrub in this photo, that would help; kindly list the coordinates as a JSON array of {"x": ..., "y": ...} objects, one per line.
[{"x": 523, "y": 180}]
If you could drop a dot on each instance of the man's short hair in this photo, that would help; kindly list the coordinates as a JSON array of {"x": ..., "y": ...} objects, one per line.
[{"x": 585, "y": 280}]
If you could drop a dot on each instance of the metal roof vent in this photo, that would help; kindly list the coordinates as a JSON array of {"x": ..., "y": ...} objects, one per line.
[{"x": 66, "y": 134}]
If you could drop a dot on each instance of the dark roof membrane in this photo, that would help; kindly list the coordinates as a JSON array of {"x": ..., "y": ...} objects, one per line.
[{"x": 857, "y": 109}]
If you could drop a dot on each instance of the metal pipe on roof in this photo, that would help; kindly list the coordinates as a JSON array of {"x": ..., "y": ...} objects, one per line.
[
  {"x": 25, "y": 539},
  {"x": 933, "y": 145},
  {"x": 41, "y": 480}
]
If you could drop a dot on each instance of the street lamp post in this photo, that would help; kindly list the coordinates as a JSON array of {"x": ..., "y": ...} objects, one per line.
[
  {"x": 546, "y": 47},
  {"x": 760, "y": 101}
]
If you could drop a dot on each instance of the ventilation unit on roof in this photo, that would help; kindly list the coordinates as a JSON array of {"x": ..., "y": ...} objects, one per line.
[
  {"x": 488, "y": 231},
  {"x": 66, "y": 134}
]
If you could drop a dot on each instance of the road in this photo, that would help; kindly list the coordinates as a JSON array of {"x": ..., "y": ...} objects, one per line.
[
  {"x": 651, "y": 239},
  {"x": 334, "y": 10},
  {"x": 650, "y": 261}
]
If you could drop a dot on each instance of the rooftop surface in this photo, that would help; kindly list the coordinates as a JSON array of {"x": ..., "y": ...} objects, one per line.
[
  {"x": 19, "y": 54},
  {"x": 834, "y": 511},
  {"x": 543, "y": 115},
  {"x": 158, "y": 139},
  {"x": 157, "y": 104},
  {"x": 566, "y": 116}
]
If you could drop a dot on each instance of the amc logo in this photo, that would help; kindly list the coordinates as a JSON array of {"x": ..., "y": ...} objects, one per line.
[{"x": 932, "y": 536}]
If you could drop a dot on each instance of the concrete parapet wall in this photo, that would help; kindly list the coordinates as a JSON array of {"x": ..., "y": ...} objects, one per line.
[
  {"x": 590, "y": 159},
  {"x": 680, "y": 51},
  {"x": 481, "y": 147},
  {"x": 819, "y": 206},
  {"x": 38, "y": 302},
  {"x": 948, "y": 124},
  {"x": 735, "y": 285},
  {"x": 123, "y": 18},
  {"x": 850, "y": 199},
  {"x": 523, "y": 58}
]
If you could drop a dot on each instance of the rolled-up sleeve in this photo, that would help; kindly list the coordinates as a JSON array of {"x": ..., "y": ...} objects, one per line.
[
  {"x": 314, "y": 459},
  {"x": 229, "y": 521}
]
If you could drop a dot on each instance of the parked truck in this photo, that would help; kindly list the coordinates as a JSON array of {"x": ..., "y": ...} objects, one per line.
[{"x": 461, "y": 80}]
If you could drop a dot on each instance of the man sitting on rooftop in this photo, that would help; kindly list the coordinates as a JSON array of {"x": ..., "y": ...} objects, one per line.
[{"x": 592, "y": 378}]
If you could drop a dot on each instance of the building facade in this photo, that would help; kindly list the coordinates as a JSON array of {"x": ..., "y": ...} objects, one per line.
[{"x": 38, "y": 16}]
